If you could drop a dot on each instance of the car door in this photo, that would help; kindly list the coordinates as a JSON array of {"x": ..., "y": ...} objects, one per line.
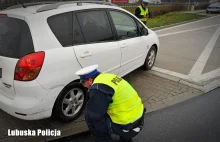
[
  {"x": 133, "y": 45},
  {"x": 99, "y": 45}
]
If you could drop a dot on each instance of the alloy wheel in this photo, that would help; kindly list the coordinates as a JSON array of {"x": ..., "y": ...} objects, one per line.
[{"x": 73, "y": 102}]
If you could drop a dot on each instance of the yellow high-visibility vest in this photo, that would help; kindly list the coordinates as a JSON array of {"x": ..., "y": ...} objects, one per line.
[
  {"x": 127, "y": 106},
  {"x": 143, "y": 12}
]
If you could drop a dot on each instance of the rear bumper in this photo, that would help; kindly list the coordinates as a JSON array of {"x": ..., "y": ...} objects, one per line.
[
  {"x": 31, "y": 99},
  {"x": 6, "y": 105}
]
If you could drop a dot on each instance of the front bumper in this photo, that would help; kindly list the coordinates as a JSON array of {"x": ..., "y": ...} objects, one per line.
[{"x": 213, "y": 10}]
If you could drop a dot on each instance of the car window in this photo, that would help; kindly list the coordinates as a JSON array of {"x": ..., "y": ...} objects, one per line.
[
  {"x": 62, "y": 27},
  {"x": 141, "y": 29},
  {"x": 95, "y": 26},
  {"x": 124, "y": 24},
  {"x": 77, "y": 33},
  {"x": 15, "y": 38}
]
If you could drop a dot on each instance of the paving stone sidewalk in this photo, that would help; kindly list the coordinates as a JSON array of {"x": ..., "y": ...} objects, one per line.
[{"x": 156, "y": 93}]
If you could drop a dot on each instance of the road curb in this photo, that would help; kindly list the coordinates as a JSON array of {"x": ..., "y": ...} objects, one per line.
[{"x": 205, "y": 86}]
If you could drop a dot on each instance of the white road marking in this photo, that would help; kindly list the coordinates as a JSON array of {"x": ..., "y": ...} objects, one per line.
[
  {"x": 195, "y": 75},
  {"x": 187, "y": 30},
  {"x": 211, "y": 74},
  {"x": 197, "y": 69},
  {"x": 186, "y": 24}
]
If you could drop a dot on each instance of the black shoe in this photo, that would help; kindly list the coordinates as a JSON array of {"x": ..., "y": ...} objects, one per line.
[{"x": 124, "y": 139}]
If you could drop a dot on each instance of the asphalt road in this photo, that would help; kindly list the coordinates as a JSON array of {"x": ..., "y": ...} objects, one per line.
[
  {"x": 195, "y": 120},
  {"x": 191, "y": 51}
]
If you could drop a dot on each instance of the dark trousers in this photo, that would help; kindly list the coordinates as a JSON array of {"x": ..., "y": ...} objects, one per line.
[
  {"x": 126, "y": 131},
  {"x": 105, "y": 135}
]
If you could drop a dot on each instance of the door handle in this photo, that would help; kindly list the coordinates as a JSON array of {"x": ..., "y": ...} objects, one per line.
[
  {"x": 124, "y": 45},
  {"x": 86, "y": 54}
]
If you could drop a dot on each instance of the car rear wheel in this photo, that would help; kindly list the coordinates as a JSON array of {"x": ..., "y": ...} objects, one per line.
[
  {"x": 70, "y": 102},
  {"x": 150, "y": 59}
]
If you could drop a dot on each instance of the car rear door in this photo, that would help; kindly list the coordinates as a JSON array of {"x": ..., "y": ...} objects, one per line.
[
  {"x": 15, "y": 41},
  {"x": 99, "y": 45}
]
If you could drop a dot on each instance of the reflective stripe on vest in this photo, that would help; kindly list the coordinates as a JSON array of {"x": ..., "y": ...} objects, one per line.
[
  {"x": 127, "y": 106},
  {"x": 143, "y": 12}
]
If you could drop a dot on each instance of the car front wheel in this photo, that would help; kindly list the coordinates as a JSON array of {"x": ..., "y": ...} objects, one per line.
[
  {"x": 70, "y": 103},
  {"x": 150, "y": 59}
]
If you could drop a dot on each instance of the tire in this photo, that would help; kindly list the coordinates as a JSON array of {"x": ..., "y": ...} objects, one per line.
[
  {"x": 70, "y": 103},
  {"x": 150, "y": 59}
]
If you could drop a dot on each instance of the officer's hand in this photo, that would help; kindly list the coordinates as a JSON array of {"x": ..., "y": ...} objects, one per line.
[{"x": 145, "y": 16}]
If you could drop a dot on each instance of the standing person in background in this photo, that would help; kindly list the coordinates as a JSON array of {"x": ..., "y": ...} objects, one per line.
[{"x": 142, "y": 11}]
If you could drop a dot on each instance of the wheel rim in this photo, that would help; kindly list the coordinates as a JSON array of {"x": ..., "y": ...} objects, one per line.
[
  {"x": 73, "y": 102},
  {"x": 151, "y": 58}
]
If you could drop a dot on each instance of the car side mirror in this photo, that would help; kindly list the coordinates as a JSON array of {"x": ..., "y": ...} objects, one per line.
[{"x": 144, "y": 31}]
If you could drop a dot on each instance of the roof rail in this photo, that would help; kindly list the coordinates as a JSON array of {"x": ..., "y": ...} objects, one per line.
[
  {"x": 31, "y": 4},
  {"x": 79, "y": 3}
]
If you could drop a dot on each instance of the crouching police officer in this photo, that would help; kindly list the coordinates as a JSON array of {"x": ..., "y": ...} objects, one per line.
[{"x": 114, "y": 107}]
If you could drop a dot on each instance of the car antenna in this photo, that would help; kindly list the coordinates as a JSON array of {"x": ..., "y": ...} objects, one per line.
[{"x": 22, "y": 4}]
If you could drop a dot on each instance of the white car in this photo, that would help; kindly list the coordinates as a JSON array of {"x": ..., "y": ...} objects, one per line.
[{"x": 43, "y": 45}]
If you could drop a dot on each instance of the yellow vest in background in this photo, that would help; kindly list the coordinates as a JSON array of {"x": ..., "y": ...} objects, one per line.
[
  {"x": 127, "y": 106},
  {"x": 143, "y": 12}
]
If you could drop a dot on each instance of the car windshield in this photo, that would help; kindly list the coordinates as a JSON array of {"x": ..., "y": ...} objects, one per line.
[{"x": 15, "y": 38}]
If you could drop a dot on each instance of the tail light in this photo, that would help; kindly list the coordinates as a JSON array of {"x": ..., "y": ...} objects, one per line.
[
  {"x": 3, "y": 15},
  {"x": 29, "y": 66}
]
